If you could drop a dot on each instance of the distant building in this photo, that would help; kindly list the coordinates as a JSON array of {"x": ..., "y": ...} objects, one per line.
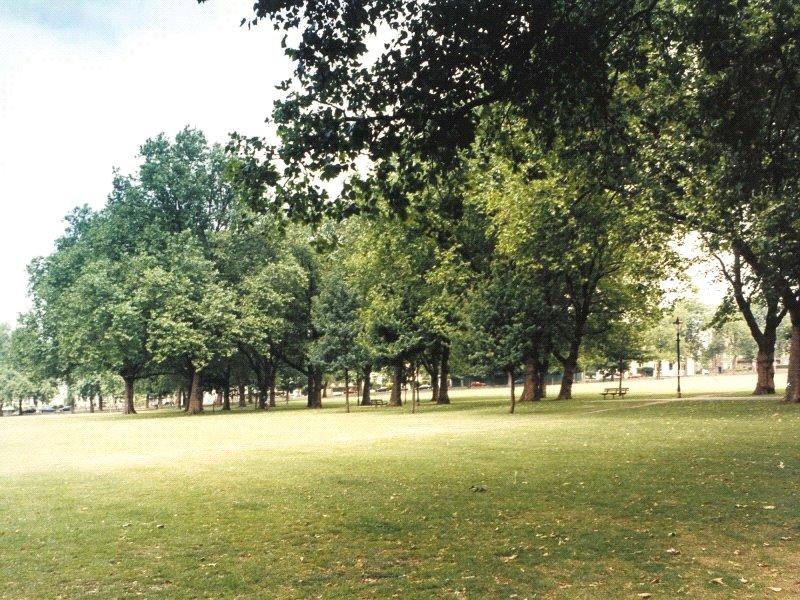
[{"x": 663, "y": 368}]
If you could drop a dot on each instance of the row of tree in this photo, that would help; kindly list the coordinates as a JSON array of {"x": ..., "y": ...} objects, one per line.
[
  {"x": 177, "y": 286},
  {"x": 684, "y": 108},
  {"x": 492, "y": 184},
  {"x": 177, "y": 283}
]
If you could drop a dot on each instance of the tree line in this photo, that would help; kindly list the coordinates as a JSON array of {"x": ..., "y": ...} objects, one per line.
[{"x": 499, "y": 186}]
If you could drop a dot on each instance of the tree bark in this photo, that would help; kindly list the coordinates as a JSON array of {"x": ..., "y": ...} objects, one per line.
[
  {"x": 395, "y": 399},
  {"x": 262, "y": 398},
  {"x": 510, "y": 372},
  {"x": 543, "y": 367},
  {"x": 793, "y": 375},
  {"x": 128, "y": 407},
  {"x": 226, "y": 397},
  {"x": 91, "y": 404},
  {"x": 365, "y": 399},
  {"x": 272, "y": 388},
  {"x": 314, "y": 387},
  {"x": 242, "y": 398},
  {"x": 765, "y": 370},
  {"x": 529, "y": 386},
  {"x": 433, "y": 371},
  {"x": 413, "y": 385},
  {"x": 100, "y": 402},
  {"x": 347, "y": 390},
  {"x": 195, "y": 404},
  {"x": 443, "y": 397},
  {"x": 570, "y": 365}
]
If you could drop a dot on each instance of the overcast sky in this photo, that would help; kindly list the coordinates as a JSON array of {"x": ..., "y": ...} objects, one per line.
[{"x": 84, "y": 82}]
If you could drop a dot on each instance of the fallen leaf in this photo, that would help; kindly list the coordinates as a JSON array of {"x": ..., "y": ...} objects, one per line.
[
  {"x": 508, "y": 558},
  {"x": 775, "y": 589},
  {"x": 769, "y": 507},
  {"x": 673, "y": 551},
  {"x": 718, "y": 581}
]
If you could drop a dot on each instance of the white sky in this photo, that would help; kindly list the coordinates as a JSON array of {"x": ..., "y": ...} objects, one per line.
[{"x": 84, "y": 83}]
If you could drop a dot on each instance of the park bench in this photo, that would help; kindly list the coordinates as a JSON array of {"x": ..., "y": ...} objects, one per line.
[
  {"x": 614, "y": 391},
  {"x": 378, "y": 402}
]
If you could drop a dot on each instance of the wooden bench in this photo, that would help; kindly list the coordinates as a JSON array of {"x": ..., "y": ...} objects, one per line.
[
  {"x": 378, "y": 402},
  {"x": 614, "y": 391}
]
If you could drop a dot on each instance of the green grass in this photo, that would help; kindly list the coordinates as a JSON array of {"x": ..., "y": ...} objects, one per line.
[{"x": 582, "y": 499}]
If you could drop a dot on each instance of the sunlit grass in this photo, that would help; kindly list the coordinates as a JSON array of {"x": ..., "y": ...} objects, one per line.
[{"x": 578, "y": 499}]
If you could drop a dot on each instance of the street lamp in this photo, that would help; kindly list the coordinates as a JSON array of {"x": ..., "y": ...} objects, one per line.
[{"x": 678, "y": 324}]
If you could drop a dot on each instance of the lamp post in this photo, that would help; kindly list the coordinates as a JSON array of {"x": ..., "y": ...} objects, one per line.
[{"x": 678, "y": 324}]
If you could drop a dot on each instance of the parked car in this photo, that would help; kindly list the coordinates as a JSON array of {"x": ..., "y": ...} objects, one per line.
[
  {"x": 46, "y": 409},
  {"x": 477, "y": 384},
  {"x": 64, "y": 409},
  {"x": 28, "y": 411},
  {"x": 424, "y": 386},
  {"x": 383, "y": 388}
]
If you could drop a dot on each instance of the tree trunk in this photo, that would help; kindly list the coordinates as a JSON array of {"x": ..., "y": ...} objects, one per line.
[
  {"x": 195, "y": 404},
  {"x": 100, "y": 402},
  {"x": 395, "y": 399},
  {"x": 541, "y": 379},
  {"x": 510, "y": 372},
  {"x": 365, "y": 399},
  {"x": 433, "y": 371},
  {"x": 793, "y": 375},
  {"x": 242, "y": 398},
  {"x": 414, "y": 390},
  {"x": 312, "y": 394},
  {"x": 658, "y": 369},
  {"x": 443, "y": 396},
  {"x": 20, "y": 407},
  {"x": 529, "y": 386},
  {"x": 314, "y": 387},
  {"x": 765, "y": 370},
  {"x": 128, "y": 407},
  {"x": 262, "y": 397},
  {"x": 570, "y": 364},
  {"x": 226, "y": 396},
  {"x": 91, "y": 404},
  {"x": 249, "y": 394},
  {"x": 347, "y": 390}
]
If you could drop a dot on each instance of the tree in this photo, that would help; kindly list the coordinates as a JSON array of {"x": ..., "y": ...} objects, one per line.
[
  {"x": 597, "y": 251},
  {"x": 335, "y": 314},
  {"x": 727, "y": 112},
  {"x": 441, "y": 61},
  {"x": 197, "y": 321},
  {"x": 761, "y": 311}
]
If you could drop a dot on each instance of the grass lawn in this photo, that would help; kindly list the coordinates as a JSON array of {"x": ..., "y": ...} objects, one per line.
[{"x": 579, "y": 499}]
